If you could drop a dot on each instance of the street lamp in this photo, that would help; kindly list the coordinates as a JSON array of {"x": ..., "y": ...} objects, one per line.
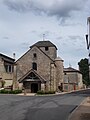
[{"x": 88, "y": 43}]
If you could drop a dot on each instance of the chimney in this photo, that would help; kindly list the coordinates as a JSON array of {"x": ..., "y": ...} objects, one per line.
[{"x": 14, "y": 55}]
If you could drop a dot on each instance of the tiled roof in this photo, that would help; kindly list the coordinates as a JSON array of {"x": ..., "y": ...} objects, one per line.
[
  {"x": 70, "y": 69},
  {"x": 6, "y": 58},
  {"x": 44, "y": 44}
]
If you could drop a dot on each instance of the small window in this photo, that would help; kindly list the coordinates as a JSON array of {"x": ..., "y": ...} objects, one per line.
[
  {"x": 46, "y": 48},
  {"x": 65, "y": 73},
  {"x": 9, "y": 68},
  {"x": 34, "y": 66},
  {"x": 35, "y": 55},
  {"x": 6, "y": 68}
]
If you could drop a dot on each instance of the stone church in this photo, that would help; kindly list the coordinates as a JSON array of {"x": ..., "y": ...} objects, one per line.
[{"x": 40, "y": 68}]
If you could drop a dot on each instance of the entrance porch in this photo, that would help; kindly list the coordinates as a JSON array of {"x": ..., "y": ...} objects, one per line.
[
  {"x": 32, "y": 82},
  {"x": 32, "y": 87}
]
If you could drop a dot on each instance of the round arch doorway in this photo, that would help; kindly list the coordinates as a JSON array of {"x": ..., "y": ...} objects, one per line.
[{"x": 34, "y": 87}]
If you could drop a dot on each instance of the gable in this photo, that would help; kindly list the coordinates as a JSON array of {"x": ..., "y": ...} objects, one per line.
[
  {"x": 24, "y": 64},
  {"x": 30, "y": 52},
  {"x": 31, "y": 76}
]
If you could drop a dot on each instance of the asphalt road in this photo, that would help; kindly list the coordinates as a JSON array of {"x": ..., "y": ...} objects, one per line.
[{"x": 57, "y": 107}]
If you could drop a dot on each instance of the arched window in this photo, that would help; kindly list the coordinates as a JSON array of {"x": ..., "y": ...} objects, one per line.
[{"x": 34, "y": 66}]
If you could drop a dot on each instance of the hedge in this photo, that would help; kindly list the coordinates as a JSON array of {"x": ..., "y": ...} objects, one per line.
[
  {"x": 10, "y": 92},
  {"x": 45, "y": 92}
]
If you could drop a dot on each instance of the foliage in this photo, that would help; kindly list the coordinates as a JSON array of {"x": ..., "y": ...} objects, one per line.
[
  {"x": 40, "y": 92},
  {"x": 10, "y": 92},
  {"x": 84, "y": 69}
]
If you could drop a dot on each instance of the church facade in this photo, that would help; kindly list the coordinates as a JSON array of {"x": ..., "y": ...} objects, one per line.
[{"x": 40, "y": 68}]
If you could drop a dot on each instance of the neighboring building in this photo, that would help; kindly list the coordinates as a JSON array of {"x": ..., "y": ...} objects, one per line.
[
  {"x": 6, "y": 71},
  {"x": 40, "y": 68},
  {"x": 72, "y": 79}
]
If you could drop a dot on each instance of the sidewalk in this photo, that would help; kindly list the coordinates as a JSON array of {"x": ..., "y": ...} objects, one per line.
[
  {"x": 82, "y": 112},
  {"x": 34, "y": 94},
  {"x": 27, "y": 94}
]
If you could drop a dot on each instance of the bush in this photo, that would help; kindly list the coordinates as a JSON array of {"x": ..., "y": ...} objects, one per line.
[
  {"x": 10, "y": 92},
  {"x": 45, "y": 92},
  {"x": 15, "y": 91},
  {"x": 51, "y": 92},
  {"x": 4, "y": 91},
  {"x": 40, "y": 92}
]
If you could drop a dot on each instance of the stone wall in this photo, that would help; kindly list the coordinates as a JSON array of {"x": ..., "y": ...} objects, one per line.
[
  {"x": 59, "y": 73},
  {"x": 52, "y": 52},
  {"x": 73, "y": 80},
  {"x": 53, "y": 78},
  {"x": 80, "y": 82},
  {"x": 24, "y": 64}
]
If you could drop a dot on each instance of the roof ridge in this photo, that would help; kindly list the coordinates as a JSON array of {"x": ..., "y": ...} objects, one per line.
[
  {"x": 43, "y": 44},
  {"x": 7, "y": 56},
  {"x": 70, "y": 69}
]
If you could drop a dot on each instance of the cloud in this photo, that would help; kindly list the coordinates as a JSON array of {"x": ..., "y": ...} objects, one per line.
[
  {"x": 5, "y": 37},
  {"x": 74, "y": 37},
  {"x": 25, "y": 45},
  {"x": 59, "y": 38},
  {"x": 59, "y": 8}
]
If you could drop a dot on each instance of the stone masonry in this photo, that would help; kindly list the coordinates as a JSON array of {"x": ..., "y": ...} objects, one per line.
[{"x": 49, "y": 67}]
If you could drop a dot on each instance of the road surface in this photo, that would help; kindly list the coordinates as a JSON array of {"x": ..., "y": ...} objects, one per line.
[{"x": 57, "y": 107}]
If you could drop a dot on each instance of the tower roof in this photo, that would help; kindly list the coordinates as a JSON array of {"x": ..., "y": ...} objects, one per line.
[
  {"x": 58, "y": 59},
  {"x": 43, "y": 44}
]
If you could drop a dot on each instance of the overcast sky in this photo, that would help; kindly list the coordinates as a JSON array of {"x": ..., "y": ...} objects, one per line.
[{"x": 64, "y": 22}]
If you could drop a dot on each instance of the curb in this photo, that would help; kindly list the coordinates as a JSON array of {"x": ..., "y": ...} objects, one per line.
[
  {"x": 57, "y": 93},
  {"x": 72, "y": 113}
]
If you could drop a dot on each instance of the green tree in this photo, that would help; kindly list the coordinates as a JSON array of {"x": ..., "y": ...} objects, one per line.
[{"x": 84, "y": 69}]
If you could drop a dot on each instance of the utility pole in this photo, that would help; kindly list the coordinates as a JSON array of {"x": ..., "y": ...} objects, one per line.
[{"x": 88, "y": 42}]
